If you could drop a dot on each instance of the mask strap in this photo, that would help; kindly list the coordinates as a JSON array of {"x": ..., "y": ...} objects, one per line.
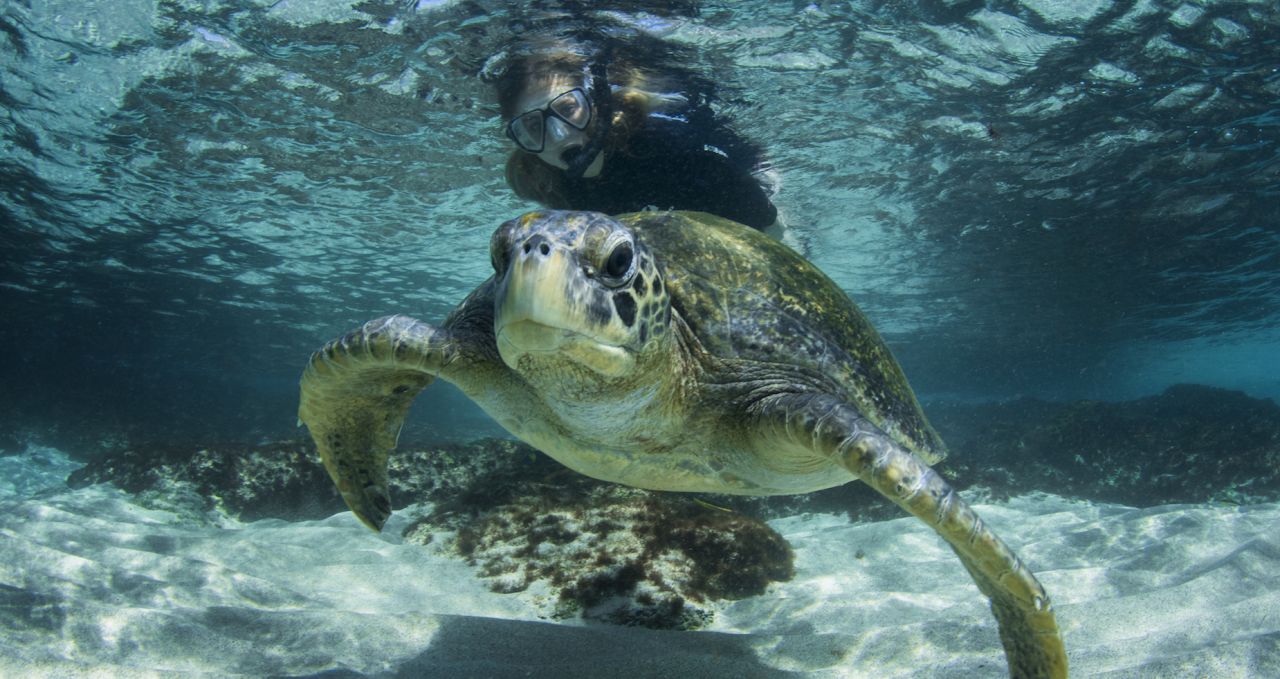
[{"x": 602, "y": 98}]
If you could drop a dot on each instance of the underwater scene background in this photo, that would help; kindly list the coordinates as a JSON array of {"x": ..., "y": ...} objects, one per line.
[{"x": 1063, "y": 218}]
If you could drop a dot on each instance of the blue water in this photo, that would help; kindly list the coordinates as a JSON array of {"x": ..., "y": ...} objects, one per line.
[
  {"x": 1062, "y": 199},
  {"x": 1054, "y": 198}
]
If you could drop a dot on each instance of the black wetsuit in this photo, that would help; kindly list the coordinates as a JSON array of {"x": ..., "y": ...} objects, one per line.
[{"x": 691, "y": 162}]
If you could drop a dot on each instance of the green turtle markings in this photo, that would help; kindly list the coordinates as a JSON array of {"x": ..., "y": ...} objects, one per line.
[{"x": 669, "y": 351}]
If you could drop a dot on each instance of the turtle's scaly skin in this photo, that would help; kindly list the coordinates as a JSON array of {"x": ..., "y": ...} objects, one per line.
[
  {"x": 747, "y": 296},
  {"x": 670, "y": 351}
]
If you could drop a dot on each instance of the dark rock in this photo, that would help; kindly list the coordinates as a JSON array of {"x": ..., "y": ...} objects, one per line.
[
  {"x": 276, "y": 480},
  {"x": 10, "y": 444},
  {"x": 614, "y": 554},
  {"x": 285, "y": 479},
  {"x": 472, "y": 473},
  {"x": 1190, "y": 444}
]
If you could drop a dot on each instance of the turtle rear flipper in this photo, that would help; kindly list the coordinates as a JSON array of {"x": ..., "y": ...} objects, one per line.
[
  {"x": 836, "y": 431},
  {"x": 355, "y": 392}
]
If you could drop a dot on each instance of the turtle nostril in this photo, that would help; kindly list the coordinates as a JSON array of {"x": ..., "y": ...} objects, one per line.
[{"x": 539, "y": 241}]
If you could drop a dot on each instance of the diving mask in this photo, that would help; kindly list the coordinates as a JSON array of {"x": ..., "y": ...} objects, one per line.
[{"x": 529, "y": 129}]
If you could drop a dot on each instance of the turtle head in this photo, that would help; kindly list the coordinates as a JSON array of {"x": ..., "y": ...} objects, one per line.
[{"x": 577, "y": 287}]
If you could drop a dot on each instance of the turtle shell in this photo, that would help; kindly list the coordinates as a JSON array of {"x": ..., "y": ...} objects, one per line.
[{"x": 748, "y": 297}]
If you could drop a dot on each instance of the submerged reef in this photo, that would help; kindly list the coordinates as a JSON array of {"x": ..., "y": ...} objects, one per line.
[
  {"x": 285, "y": 479},
  {"x": 608, "y": 552},
  {"x": 1190, "y": 444},
  {"x": 276, "y": 480}
]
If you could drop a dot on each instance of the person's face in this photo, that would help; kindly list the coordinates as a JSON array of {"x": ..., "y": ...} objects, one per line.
[{"x": 561, "y": 140}]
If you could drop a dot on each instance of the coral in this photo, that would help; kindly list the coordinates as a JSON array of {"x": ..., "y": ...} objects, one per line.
[
  {"x": 1190, "y": 444},
  {"x": 612, "y": 553},
  {"x": 283, "y": 479},
  {"x": 280, "y": 480}
]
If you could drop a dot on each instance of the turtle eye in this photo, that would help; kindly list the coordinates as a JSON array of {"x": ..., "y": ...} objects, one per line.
[
  {"x": 499, "y": 253},
  {"x": 617, "y": 268}
]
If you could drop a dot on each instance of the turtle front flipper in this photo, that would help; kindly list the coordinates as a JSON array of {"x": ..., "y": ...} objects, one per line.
[
  {"x": 355, "y": 392},
  {"x": 837, "y": 431}
]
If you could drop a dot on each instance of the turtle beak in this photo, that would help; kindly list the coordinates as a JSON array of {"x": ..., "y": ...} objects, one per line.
[
  {"x": 546, "y": 310},
  {"x": 537, "y": 290}
]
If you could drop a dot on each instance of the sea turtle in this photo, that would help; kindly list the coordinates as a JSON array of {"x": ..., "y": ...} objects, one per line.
[{"x": 671, "y": 351}]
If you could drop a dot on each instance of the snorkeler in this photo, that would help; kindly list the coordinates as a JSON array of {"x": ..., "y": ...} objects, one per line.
[{"x": 596, "y": 131}]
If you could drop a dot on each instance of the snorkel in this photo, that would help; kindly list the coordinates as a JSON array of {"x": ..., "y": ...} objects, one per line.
[{"x": 602, "y": 98}]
